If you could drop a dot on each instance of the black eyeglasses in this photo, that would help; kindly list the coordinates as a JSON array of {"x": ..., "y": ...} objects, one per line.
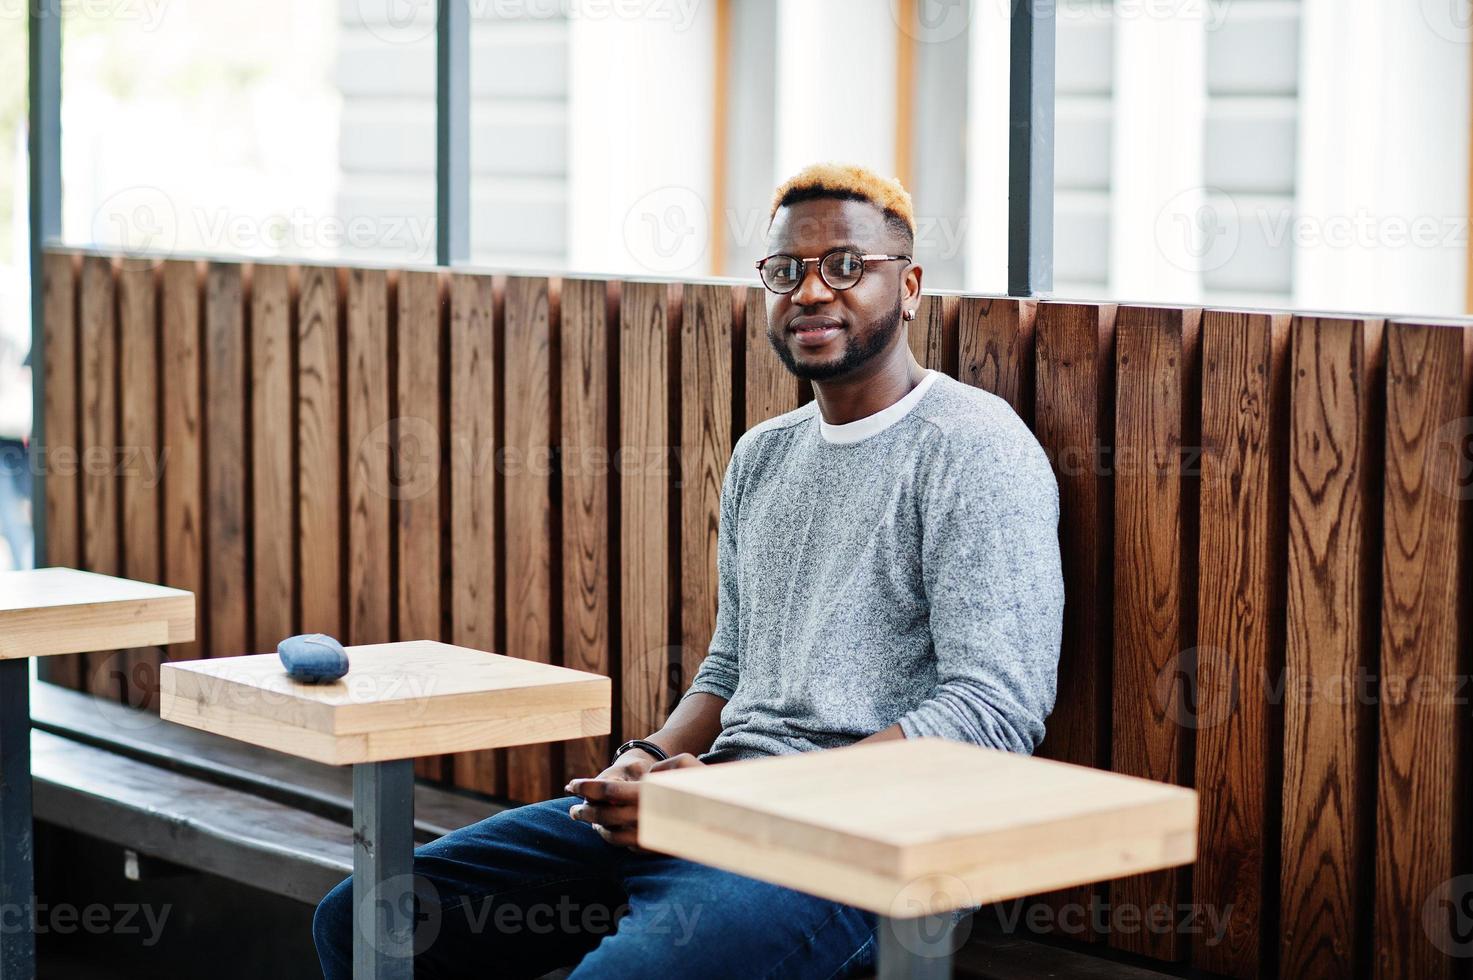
[{"x": 841, "y": 268}]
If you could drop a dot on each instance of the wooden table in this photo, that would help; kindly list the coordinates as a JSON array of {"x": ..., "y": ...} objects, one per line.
[
  {"x": 397, "y": 701},
  {"x": 916, "y": 828},
  {"x": 45, "y": 612}
]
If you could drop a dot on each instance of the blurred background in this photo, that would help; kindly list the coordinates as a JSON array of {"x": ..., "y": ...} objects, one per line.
[{"x": 1308, "y": 154}]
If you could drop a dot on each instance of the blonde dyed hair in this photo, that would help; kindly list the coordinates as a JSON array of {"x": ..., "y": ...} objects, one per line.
[{"x": 849, "y": 181}]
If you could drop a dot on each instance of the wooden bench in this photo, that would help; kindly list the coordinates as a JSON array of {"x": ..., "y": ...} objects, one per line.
[
  {"x": 204, "y": 801},
  {"x": 1260, "y": 511},
  {"x": 275, "y": 822}
]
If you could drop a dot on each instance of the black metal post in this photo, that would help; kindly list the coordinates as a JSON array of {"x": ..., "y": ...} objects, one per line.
[
  {"x": 17, "y": 876},
  {"x": 1031, "y": 149},
  {"x": 383, "y": 870},
  {"x": 916, "y": 949},
  {"x": 452, "y": 132}
]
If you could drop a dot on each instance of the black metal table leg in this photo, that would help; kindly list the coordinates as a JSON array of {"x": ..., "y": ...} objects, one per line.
[
  {"x": 383, "y": 870},
  {"x": 17, "y": 873},
  {"x": 916, "y": 949}
]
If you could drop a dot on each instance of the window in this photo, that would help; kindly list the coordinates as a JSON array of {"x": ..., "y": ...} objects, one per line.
[{"x": 264, "y": 129}]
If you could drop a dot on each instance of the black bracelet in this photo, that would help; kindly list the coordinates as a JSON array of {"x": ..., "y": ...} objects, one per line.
[{"x": 640, "y": 743}]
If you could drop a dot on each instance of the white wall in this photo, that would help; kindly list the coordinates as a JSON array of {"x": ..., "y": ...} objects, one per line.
[
  {"x": 640, "y": 134},
  {"x": 987, "y": 149},
  {"x": 1381, "y": 222},
  {"x": 835, "y": 84},
  {"x": 1160, "y": 95}
]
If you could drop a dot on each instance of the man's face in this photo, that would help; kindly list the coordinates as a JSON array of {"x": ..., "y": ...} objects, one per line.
[{"x": 823, "y": 333}]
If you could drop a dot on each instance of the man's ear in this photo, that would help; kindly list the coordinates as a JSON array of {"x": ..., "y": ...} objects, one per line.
[{"x": 910, "y": 285}]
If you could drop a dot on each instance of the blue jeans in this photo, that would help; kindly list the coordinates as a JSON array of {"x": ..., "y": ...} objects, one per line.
[{"x": 530, "y": 889}]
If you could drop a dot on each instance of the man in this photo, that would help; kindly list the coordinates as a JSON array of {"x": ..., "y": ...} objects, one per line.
[{"x": 889, "y": 568}]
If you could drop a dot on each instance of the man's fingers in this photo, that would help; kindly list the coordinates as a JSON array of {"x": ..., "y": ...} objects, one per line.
[
  {"x": 608, "y": 816},
  {"x": 621, "y": 838},
  {"x": 605, "y": 790}
]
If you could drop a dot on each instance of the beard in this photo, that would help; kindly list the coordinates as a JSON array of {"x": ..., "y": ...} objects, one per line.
[{"x": 859, "y": 348}]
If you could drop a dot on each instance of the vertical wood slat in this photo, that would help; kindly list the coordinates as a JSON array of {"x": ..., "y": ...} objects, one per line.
[
  {"x": 367, "y": 454},
  {"x": 588, "y": 447},
  {"x": 1420, "y": 767},
  {"x": 319, "y": 455},
  {"x": 416, "y": 467},
  {"x": 225, "y": 366},
  {"x": 995, "y": 338},
  {"x": 1154, "y": 525},
  {"x": 1328, "y": 728},
  {"x": 273, "y": 531},
  {"x": 140, "y": 462},
  {"x": 183, "y": 531},
  {"x": 97, "y": 339},
  {"x": 771, "y": 389},
  {"x": 530, "y": 364},
  {"x": 706, "y": 437},
  {"x": 933, "y": 333},
  {"x": 60, "y": 439},
  {"x": 1074, "y": 414},
  {"x": 1237, "y": 718},
  {"x": 645, "y": 346},
  {"x": 473, "y": 467}
]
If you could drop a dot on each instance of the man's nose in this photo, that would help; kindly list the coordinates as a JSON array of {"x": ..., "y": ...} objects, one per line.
[{"x": 812, "y": 290}]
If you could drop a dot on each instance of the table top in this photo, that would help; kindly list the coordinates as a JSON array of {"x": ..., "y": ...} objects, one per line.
[
  {"x": 915, "y": 826},
  {"x": 49, "y": 611},
  {"x": 397, "y": 701}
]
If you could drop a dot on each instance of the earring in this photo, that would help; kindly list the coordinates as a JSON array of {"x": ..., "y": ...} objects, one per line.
[{"x": 909, "y": 314}]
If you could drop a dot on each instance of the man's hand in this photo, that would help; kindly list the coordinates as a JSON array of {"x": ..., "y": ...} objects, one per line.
[{"x": 612, "y": 798}]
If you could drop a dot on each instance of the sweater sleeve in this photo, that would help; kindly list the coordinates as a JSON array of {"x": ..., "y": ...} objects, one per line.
[
  {"x": 718, "y": 671},
  {"x": 994, "y": 581}
]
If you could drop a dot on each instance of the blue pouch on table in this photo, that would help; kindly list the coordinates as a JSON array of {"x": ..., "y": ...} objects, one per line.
[{"x": 313, "y": 658}]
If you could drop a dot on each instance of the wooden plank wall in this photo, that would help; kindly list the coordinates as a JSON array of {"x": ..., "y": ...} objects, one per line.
[{"x": 1265, "y": 535}]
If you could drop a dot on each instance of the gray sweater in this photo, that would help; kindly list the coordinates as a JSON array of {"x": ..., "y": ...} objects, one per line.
[{"x": 904, "y": 567}]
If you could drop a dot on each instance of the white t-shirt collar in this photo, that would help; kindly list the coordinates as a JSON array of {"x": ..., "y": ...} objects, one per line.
[{"x": 851, "y": 432}]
